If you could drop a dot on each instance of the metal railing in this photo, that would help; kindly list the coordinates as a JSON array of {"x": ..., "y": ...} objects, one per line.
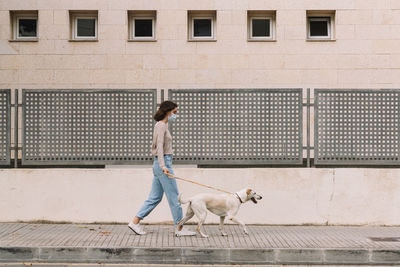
[
  {"x": 215, "y": 126},
  {"x": 93, "y": 126},
  {"x": 5, "y": 126},
  {"x": 238, "y": 126},
  {"x": 358, "y": 127}
]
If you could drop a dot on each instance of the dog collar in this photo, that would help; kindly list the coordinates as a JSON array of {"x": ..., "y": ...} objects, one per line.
[{"x": 238, "y": 197}]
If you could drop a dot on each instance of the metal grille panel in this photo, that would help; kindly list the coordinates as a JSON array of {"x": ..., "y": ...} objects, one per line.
[
  {"x": 94, "y": 126},
  {"x": 357, "y": 127},
  {"x": 5, "y": 127},
  {"x": 247, "y": 126}
]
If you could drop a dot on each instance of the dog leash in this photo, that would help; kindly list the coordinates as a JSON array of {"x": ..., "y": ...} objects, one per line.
[{"x": 190, "y": 181}]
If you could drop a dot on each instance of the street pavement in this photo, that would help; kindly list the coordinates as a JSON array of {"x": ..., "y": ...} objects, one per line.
[{"x": 277, "y": 245}]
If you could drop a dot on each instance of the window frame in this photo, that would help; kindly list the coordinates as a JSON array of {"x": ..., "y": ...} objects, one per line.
[
  {"x": 271, "y": 19},
  {"x": 75, "y": 18},
  {"x": 328, "y": 18},
  {"x": 16, "y": 19},
  {"x": 142, "y": 38},
  {"x": 194, "y": 16}
]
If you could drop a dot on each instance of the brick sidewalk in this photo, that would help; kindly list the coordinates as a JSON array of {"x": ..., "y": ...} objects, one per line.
[{"x": 264, "y": 244}]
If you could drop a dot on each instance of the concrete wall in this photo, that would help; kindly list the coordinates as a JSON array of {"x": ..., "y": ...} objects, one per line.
[{"x": 290, "y": 195}]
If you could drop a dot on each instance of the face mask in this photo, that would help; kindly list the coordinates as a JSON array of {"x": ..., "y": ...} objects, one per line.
[{"x": 172, "y": 117}]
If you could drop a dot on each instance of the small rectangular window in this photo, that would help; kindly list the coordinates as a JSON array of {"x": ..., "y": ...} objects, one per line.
[
  {"x": 142, "y": 25},
  {"x": 25, "y": 25},
  {"x": 201, "y": 25},
  {"x": 261, "y": 25},
  {"x": 320, "y": 25},
  {"x": 84, "y": 25},
  {"x": 261, "y": 28}
]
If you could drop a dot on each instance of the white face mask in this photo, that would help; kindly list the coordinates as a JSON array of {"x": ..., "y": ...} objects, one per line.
[{"x": 172, "y": 117}]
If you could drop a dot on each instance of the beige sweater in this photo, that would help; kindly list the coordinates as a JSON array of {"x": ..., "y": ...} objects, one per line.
[{"x": 162, "y": 142}]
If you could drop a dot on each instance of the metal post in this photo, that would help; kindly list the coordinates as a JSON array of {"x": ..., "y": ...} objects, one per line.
[
  {"x": 308, "y": 128},
  {"x": 16, "y": 128}
]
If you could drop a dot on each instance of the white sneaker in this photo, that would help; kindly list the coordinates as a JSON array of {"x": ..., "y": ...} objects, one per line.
[
  {"x": 183, "y": 232},
  {"x": 136, "y": 228}
]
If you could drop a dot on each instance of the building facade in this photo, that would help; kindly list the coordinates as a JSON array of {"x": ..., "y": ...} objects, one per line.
[
  {"x": 363, "y": 51},
  {"x": 208, "y": 44}
]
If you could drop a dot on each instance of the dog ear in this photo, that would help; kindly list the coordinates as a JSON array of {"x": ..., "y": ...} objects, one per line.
[{"x": 248, "y": 191}]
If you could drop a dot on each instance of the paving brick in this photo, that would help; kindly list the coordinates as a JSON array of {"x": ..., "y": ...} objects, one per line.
[
  {"x": 251, "y": 256},
  {"x": 157, "y": 255},
  {"x": 110, "y": 254},
  {"x": 306, "y": 256},
  {"x": 68, "y": 254},
  {"x": 346, "y": 256},
  {"x": 205, "y": 255},
  {"x": 385, "y": 256},
  {"x": 18, "y": 253}
]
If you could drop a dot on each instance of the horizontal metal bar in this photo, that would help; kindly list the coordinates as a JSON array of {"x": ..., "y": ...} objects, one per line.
[
  {"x": 235, "y": 90},
  {"x": 89, "y": 90},
  {"x": 310, "y": 105},
  {"x": 223, "y": 161},
  {"x": 355, "y": 162},
  {"x": 354, "y": 90}
]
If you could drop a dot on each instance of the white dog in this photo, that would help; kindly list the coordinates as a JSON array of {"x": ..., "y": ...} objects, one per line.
[{"x": 222, "y": 205}]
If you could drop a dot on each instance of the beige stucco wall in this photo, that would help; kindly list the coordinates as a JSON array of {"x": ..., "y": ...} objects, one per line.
[
  {"x": 290, "y": 195},
  {"x": 366, "y": 52}
]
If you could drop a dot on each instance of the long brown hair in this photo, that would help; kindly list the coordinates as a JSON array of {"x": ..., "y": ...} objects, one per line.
[{"x": 165, "y": 107}]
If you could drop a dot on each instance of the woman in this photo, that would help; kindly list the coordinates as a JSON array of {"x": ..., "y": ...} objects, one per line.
[{"x": 161, "y": 148}]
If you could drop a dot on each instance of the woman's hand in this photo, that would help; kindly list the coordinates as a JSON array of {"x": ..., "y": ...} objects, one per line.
[{"x": 165, "y": 170}]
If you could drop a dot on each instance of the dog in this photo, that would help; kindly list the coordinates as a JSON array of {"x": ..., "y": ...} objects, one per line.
[{"x": 225, "y": 206}]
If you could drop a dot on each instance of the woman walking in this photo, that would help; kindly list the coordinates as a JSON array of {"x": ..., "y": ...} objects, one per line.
[{"x": 161, "y": 149}]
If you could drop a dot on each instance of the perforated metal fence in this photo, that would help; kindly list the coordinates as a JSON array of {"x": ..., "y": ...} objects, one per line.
[
  {"x": 92, "y": 126},
  {"x": 238, "y": 126},
  {"x": 5, "y": 126},
  {"x": 357, "y": 127}
]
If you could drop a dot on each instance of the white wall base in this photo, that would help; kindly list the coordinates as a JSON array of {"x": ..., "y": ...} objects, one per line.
[{"x": 359, "y": 196}]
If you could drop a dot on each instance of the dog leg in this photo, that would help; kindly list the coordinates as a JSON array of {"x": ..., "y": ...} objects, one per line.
[
  {"x": 201, "y": 221},
  {"x": 188, "y": 216},
  {"x": 221, "y": 225},
  {"x": 233, "y": 219},
  {"x": 201, "y": 212}
]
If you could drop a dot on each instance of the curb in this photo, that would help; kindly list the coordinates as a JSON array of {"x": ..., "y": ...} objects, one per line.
[{"x": 200, "y": 255}]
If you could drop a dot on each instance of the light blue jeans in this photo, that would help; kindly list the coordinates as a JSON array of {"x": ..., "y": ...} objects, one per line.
[{"x": 162, "y": 183}]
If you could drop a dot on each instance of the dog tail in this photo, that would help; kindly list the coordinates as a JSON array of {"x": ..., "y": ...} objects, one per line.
[{"x": 182, "y": 201}]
